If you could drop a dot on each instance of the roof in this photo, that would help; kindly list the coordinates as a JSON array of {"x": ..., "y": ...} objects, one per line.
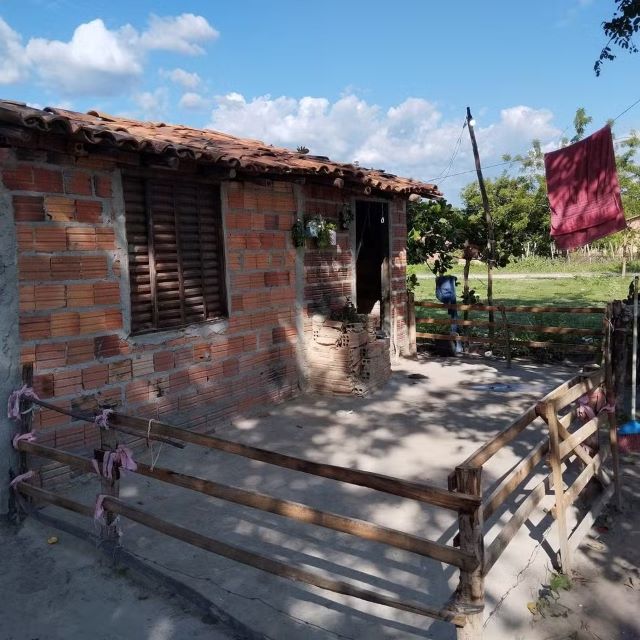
[{"x": 203, "y": 145}]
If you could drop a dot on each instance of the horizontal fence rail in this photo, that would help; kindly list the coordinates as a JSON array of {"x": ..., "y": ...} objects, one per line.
[{"x": 509, "y": 334}]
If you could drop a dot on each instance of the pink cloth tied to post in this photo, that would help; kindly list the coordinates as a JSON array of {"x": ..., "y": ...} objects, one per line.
[
  {"x": 98, "y": 512},
  {"x": 122, "y": 457},
  {"x": 592, "y": 404},
  {"x": 583, "y": 191},
  {"x": 20, "y": 478},
  {"x": 102, "y": 419},
  {"x": 30, "y": 436},
  {"x": 13, "y": 404}
]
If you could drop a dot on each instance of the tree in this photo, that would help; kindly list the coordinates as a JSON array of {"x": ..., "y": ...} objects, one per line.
[
  {"x": 620, "y": 30},
  {"x": 433, "y": 234}
]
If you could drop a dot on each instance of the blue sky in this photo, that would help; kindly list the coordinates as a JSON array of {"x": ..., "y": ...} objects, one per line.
[{"x": 383, "y": 83}]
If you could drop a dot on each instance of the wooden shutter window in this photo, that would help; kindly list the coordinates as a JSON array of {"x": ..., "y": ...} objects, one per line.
[{"x": 176, "y": 256}]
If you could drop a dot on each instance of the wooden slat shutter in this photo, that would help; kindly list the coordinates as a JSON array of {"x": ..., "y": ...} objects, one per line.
[{"x": 176, "y": 253}]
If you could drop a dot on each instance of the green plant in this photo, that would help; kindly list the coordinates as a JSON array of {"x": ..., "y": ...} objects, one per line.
[
  {"x": 326, "y": 229},
  {"x": 297, "y": 233},
  {"x": 412, "y": 282},
  {"x": 346, "y": 216}
]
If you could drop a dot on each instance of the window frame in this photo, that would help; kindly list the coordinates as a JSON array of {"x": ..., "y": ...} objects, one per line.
[{"x": 147, "y": 178}]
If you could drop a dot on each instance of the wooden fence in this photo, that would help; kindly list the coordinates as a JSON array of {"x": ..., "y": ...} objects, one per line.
[
  {"x": 465, "y": 501},
  {"x": 508, "y": 334},
  {"x": 559, "y": 443}
]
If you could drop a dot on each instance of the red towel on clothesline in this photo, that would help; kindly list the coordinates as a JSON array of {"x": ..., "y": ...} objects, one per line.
[{"x": 583, "y": 190}]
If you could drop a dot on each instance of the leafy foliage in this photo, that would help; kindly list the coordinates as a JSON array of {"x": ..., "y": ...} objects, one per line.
[
  {"x": 434, "y": 233},
  {"x": 620, "y": 30}
]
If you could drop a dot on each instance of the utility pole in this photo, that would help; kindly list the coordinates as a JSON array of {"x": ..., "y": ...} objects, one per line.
[{"x": 491, "y": 242}]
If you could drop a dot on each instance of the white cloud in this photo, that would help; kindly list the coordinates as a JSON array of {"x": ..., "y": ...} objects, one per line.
[
  {"x": 185, "y": 79},
  {"x": 94, "y": 61},
  {"x": 13, "y": 67},
  {"x": 194, "y": 102},
  {"x": 152, "y": 105},
  {"x": 101, "y": 61},
  {"x": 411, "y": 138},
  {"x": 180, "y": 34}
]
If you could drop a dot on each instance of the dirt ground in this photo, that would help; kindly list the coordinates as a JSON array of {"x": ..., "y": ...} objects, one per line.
[
  {"x": 603, "y": 599},
  {"x": 430, "y": 416}
]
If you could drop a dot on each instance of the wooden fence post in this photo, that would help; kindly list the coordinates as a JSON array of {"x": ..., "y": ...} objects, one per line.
[
  {"x": 612, "y": 399},
  {"x": 547, "y": 410},
  {"x": 505, "y": 324},
  {"x": 109, "y": 487},
  {"x": 411, "y": 323},
  {"x": 470, "y": 591}
]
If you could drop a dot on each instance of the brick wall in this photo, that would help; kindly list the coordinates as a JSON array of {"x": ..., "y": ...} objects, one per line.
[
  {"x": 398, "y": 213},
  {"x": 71, "y": 319},
  {"x": 328, "y": 273}
]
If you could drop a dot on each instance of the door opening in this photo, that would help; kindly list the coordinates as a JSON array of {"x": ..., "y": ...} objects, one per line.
[{"x": 372, "y": 260}]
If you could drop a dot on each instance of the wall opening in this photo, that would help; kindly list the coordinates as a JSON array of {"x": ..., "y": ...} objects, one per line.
[{"x": 372, "y": 260}]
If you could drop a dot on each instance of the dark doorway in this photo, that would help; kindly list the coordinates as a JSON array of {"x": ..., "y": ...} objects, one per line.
[{"x": 372, "y": 258}]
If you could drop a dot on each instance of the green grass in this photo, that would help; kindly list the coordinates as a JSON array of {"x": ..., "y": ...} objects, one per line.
[{"x": 542, "y": 265}]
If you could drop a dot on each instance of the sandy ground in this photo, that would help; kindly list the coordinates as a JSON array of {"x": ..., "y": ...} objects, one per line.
[
  {"x": 63, "y": 591},
  {"x": 418, "y": 428}
]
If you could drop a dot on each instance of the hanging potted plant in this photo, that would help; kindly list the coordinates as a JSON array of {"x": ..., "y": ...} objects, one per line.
[{"x": 327, "y": 236}]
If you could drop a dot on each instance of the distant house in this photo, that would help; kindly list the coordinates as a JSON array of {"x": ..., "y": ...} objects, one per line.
[{"x": 153, "y": 266}]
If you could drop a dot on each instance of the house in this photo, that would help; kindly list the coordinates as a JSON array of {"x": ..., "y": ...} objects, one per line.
[{"x": 153, "y": 266}]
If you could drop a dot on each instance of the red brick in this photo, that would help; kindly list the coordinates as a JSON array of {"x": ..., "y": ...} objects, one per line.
[
  {"x": 276, "y": 278},
  {"x": 50, "y": 356},
  {"x": 65, "y": 267},
  {"x": 119, "y": 371},
  {"x": 95, "y": 376},
  {"x": 105, "y": 238},
  {"x": 49, "y": 418},
  {"x": 142, "y": 365},
  {"x": 77, "y": 182},
  {"x": 106, "y": 293},
  {"x": 103, "y": 186},
  {"x": 67, "y": 382},
  {"x": 231, "y": 368},
  {"x": 49, "y": 296},
  {"x": 94, "y": 267},
  {"x": 137, "y": 391},
  {"x": 43, "y": 385},
  {"x": 65, "y": 323},
  {"x": 201, "y": 352},
  {"x": 80, "y": 351},
  {"x": 34, "y": 268},
  {"x": 113, "y": 319},
  {"x": 88, "y": 211},
  {"x": 35, "y": 328},
  {"x": 178, "y": 381},
  {"x": 183, "y": 357},
  {"x": 50, "y": 239},
  {"x": 163, "y": 360},
  {"x": 19, "y": 178},
  {"x": 80, "y": 295},
  {"x": 107, "y": 346},
  {"x": 28, "y": 354},
  {"x": 47, "y": 180},
  {"x": 27, "y": 297},
  {"x": 28, "y": 208},
  {"x": 24, "y": 235},
  {"x": 91, "y": 321},
  {"x": 80, "y": 238},
  {"x": 59, "y": 208}
]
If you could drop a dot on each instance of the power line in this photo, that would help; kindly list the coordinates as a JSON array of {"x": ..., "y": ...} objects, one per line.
[
  {"x": 627, "y": 109},
  {"x": 456, "y": 148}
]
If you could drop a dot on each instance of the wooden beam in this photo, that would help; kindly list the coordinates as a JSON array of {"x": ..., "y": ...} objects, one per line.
[
  {"x": 512, "y": 527},
  {"x": 514, "y": 479},
  {"x": 276, "y": 567},
  {"x": 286, "y": 508},
  {"x": 576, "y": 438},
  {"x": 431, "y": 494},
  {"x": 581, "y": 481},
  {"x": 555, "y": 460},
  {"x": 576, "y": 391},
  {"x": 91, "y": 418},
  {"x": 514, "y": 325},
  {"x": 518, "y": 309}
]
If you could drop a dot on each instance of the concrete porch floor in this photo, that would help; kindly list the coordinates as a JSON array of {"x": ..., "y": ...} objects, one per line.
[{"x": 413, "y": 428}]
